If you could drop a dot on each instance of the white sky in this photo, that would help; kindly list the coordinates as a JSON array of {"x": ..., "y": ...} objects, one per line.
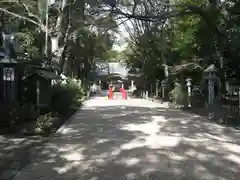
[
  {"x": 122, "y": 37},
  {"x": 123, "y": 33}
]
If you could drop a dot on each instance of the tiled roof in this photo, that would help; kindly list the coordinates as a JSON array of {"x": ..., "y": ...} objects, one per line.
[{"x": 45, "y": 74}]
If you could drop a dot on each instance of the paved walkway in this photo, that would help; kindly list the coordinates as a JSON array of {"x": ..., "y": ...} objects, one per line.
[
  {"x": 13, "y": 153},
  {"x": 136, "y": 139}
]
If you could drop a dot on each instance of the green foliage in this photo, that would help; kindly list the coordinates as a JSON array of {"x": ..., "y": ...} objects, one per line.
[
  {"x": 66, "y": 95},
  {"x": 81, "y": 44},
  {"x": 44, "y": 122},
  {"x": 85, "y": 47},
  {"x": 27, "y": 43},
  {"x": 184, "y": 36},
  {"x": 147, "y": 53},
  {"x": 206, "y": 35},
  {"x": 16, "y": 113}
]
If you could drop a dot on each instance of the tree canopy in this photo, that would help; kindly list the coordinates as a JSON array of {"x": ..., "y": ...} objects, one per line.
[
  {"x": 181, "y": 32},
  {"x": 162, "y": 33},
  {"x": 74, "y": 36}
]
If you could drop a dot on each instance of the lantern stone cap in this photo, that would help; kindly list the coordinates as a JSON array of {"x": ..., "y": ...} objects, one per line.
[
  {"x": 211, "y": 68},
  {"x": 163, "y": 82}
]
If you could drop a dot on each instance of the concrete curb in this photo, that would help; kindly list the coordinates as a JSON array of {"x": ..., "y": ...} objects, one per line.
[
  {"x": 57, "y": 133},
  {"x": 60, "y": 130},
  {"x": 31, "y": 148}
]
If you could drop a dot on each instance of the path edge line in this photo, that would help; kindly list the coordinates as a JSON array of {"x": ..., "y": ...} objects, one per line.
[{"x": 60, "y": 130}]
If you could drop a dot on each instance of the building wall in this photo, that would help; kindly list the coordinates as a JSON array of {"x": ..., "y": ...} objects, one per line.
[
  {"x": 118, "y": 68},
  {"x": 104, "y": 68}
]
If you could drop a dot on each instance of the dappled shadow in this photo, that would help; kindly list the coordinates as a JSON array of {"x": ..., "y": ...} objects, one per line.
[
  {"x": 14, "y": 152},
  {"x": 137, "y": 139}
]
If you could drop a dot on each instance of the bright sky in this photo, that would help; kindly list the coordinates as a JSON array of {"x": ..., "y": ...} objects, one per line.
[
  {"x": 123, "y": 32},
  {"x": 121, "y": 37}
]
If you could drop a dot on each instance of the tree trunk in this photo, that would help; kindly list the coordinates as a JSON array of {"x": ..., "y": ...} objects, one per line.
[
  {"x": 79, "y": 13},
  {"x": 86, "y": 68},
  {"x": 56, "y": 37},
  {"x": 63, "y": 59}
]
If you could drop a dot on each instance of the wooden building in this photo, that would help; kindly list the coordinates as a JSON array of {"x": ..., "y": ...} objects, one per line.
[{"x": 38, "y": 85}]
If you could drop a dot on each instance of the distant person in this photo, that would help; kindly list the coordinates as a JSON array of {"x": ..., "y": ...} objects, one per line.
[
  {"x": 124, "y": 94},
  {"x": 110, "y": 92}
]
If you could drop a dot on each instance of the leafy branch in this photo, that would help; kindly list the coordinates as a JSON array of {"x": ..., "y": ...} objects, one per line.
[{"x": 40, "y": 25}]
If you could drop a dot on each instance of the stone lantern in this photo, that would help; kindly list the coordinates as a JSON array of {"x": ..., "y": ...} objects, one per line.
[
  {"x": 210, "y": 76},
  {"x": 157, "y": 88},
  {"x": 9, "y": 74}
]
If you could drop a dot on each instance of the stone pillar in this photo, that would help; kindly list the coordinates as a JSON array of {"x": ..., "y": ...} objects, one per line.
[
  {"x": 151, "y": 89},
  {"x": 38, "y": 92},
  {"x": 146, "y": 95},
  {"x": 157, "y": 82},
  {"x": 189, "y": 84},
  {"x": 211, "y": 78},
  {"x": 163, "y": 88},
  {"x": 132, "y": 85},
  {"x": 210, "y": 91},
  {"x": 100, "y": 83},
  {"x": 79, "y": 83}
]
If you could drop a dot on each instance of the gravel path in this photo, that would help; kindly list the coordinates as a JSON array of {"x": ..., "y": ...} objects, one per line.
[{"x": 137, "y": 139}]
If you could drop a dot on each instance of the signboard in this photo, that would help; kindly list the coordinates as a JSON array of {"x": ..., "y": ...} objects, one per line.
[{"x": 8, "y": 74}]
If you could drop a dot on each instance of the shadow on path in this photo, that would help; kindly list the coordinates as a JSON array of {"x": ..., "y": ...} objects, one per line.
[
  {"x": 126, "y": 141},
  {"x": 14, "y": 154}
]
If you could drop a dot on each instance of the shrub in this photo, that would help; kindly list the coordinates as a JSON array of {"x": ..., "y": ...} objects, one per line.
[
  {"x": 44, "y": 122},
  {"x": 178, "y": 95},
  {"x": 66, "y": 94},
  {"x": 16, "y": 113}
]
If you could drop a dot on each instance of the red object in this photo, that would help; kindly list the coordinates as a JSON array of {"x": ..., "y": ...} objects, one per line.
[
  {"x": 110, "y": 93},
  {"x": 124, "y": 94}
]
